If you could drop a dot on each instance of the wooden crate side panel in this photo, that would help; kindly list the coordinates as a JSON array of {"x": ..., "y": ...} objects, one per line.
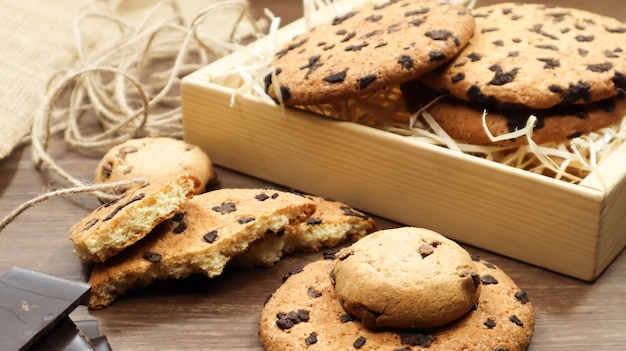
[
  {"x": 611, "y": 177},
  {"x": 534, "y": 219}
]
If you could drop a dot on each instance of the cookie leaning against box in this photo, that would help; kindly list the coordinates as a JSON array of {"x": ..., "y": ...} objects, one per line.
[
  {"x": 463, "y": 121},
  {"x": 333, "y": 223},
  {"x": 202, "y": 237},
  {"x": 305, "y": 313},
  {"x": 152, "y": 158},
  {"x": 118, "y": 224},
  {"x": 368, "y": 49},
  {"x": 536, "y": 56}
]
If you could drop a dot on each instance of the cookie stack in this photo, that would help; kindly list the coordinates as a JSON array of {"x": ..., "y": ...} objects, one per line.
[
  {"x": 169, "y": 227},
  {"x": 566, "y": 67},
  {"x": 398, "y": 289}
]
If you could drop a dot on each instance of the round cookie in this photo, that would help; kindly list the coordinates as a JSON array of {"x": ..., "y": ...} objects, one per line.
[
  {"x": 305, "y": 314},
  {"x": 463, "y": 121},
  {"x": 152, "y": 158},
  {"x": 536, "y": 56},
  {"x": 405, "y": 278},
  {"x": 367, "y": 49}
]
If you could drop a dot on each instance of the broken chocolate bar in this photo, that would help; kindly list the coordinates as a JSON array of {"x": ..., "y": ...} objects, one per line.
[{"x": 32, "y": 303}]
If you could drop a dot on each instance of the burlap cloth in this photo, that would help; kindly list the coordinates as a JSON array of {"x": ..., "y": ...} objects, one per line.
[{"x": 38, "y": 41}]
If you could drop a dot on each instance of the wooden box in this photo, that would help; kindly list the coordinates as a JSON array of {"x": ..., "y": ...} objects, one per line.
[{"x": 573, "y": 229}]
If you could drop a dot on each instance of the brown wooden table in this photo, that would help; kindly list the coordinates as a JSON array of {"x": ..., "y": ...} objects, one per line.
[{"x": 222, "y": 313}]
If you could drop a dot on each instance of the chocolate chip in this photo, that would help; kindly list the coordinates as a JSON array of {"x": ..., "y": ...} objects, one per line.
[
  {"x": 538, "y": 28},
  {"x": 516, "y": 320},
  {"x": 489, "y": 323},
  {"x": 584, "y": 38},
  {"x": 374, "y": 18},
  {"x": 501, "y": 77},
  {"x": 489, "y": 30},
  {"x": 152, "y": 257},
  {"x": 522, "y": 297},
  {"x": 261, "y": 197},
  {"x": 359, "y": 342},
  {"x": 288, "y": 320},
  {"x": 422, "y": 11},
  {"x": 583, "y": 52},
  {"x": 498, "y": 43},
  {"x": 489, "y": 264},
  {"x": 336, "y": 78},
  {"x": 290, "y": 273},
  {"x": 416, "y": 339},
  {"x": 311, "y": 339},
  {"x": 180, "y": 227},
  {"x": 474, "y": 56},
  {"x": 313, "y": 293},
  {"x": 380, "y": 45},
  {"x": 600, "y": 67},
  {"x": 513, "y": 54},
  {"x": 548, "y": 47},
  {"x": 550, "y": 63},
  {"x": 340, "y": 19},
  {"x": 475, "y": 257},
  {"x": 575, "y": 92},
  {"x": 426, "y": 250},
  {"x": 437, "y": 56},
  {"x": 312, "y": 65},
  {"x": 406, "y": 61},
  {"x": 440, "y": 34},
  {"x": 610, "y": 54},
  {"x": 619, "y": 80},
  {"x": 210, "y": 237},
  {"x": 348, "y": 37},
  {"x": 291, "y": 46},
  {"x": 245, "y": 220},
  {"x": 346, "y": 317},
  {"x": 615, "y": 29},
  {"x": 119, "y": 208},
  {"x": 314, "y": 221},
  {"x": 371, "y": 34},
  {"x": 329, "y": 254},
  {"x": 416, "y": 22},
  {"x": 488, "y": 279},
  {"x": 225, "y": 207},
  {"x": 365, "y": 81},
  {"x": 349, "y": 211},
  {"x": 356, "y": 47},
  {"x": 457, "y": 77}
]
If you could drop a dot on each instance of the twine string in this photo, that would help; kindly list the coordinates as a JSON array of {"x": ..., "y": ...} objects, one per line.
[{"x": 128, "y": 85}]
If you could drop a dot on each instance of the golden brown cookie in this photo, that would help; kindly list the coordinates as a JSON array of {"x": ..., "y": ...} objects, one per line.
[
  {"x": 152, "y": 158},
  {"x": 536, "y": 56},
  {"x": 405, "y": 278},
  {"x": 118, "y": 224},
  {"x": 368, "y": 49},
  {"x": 333, "y": 223},
  {"x": 463, "y": 121},
  {"x": 202, "y": 237},
  {"x": 305, "y": 314}
]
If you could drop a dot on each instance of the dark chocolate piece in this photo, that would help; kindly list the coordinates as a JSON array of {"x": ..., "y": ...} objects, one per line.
[
  {"x": 32, "y": 303},
  {"x": 64, "y": 337},
  {"x": 101, "y": 343}
]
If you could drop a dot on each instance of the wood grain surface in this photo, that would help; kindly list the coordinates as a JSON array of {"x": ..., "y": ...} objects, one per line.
[{"x": 222, "y": 313}]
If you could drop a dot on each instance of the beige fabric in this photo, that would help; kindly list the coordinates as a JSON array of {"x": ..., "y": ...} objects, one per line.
[
  {"x": 36, "y": 41},
  {"x": 39, "y": 41}
]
